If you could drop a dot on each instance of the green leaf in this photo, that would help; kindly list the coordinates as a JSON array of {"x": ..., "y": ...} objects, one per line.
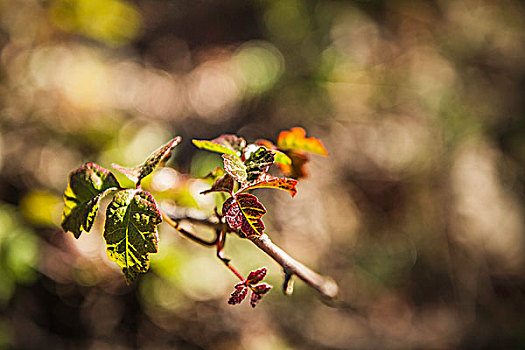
[
  {"x": 226, "y": 144},
  {"x": 281, "y": 157},
  {"x": 296, "y": 139},
  {"x": 131, "y": 231},
  {"x": 214, "y": 147},
  {"x": 233, "y": 142},
  {"x": 87, "y": 185},
  {"x": 243, "y": 212},
  {"x": 235, "y": 167},
  {"x": 258, "y": 161},
  {"x": 222, "y": 184},
  {"x": 268, "y": 181},
  {"x": 154, "y": 159}
]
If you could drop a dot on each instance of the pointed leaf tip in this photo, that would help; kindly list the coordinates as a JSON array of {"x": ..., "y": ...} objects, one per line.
[
  {"x": 154, "y": 159},
  {"x": 226, "y": 144}
]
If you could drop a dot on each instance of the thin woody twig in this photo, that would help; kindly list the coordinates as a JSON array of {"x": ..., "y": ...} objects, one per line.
[
  {"x": 325, "y": 285},
  {"x": 187, "y": 234}
]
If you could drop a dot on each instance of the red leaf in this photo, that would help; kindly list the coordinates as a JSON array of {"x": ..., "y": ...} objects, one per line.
[
  {"x": 262, "y": 288},
  {"x": 254, "y": 299},
  {"x": 244, "y": 212},
  {"x": 256, "y": 276},
  {"x": 238, "y": 294}
]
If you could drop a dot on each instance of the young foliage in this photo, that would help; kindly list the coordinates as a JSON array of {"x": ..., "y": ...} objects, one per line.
[
  {"x": 256, "y": 276},
  {"x": 268, "y": 181},
  {"x": 87, "y": 185},
  {"x": 234, "y": 166},
  {"x": 223, "y": 184},
  {"x": 226, "y": 144},
  {"x": 159, "y": 156},
  {"x": 243, "y": 212},
  {"x": 257, "y": 293},
  {"x": 257, "y": 162},
  {"x": 249, "y": 168},
  {"x": 258, "y": 290},
  {"x": 132, "y": 216},
  {"x": 131, "y": 231},
  {"x": 280, "y": 157},
  {"x": 238, "y": 294},
  {"x": 295, "y": 145},
  {"x": 296, "y": 140}
]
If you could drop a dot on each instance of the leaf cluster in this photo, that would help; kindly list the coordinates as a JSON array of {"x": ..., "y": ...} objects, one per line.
[
  {"x": 296, "y": 146},
  {"x": 132, "y": 216},
  {"x": 246, "y": 168},
  {"x": 250, "y": 283}
]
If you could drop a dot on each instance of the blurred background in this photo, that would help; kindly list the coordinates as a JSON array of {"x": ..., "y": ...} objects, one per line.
[{"x": 417, "y": 212}]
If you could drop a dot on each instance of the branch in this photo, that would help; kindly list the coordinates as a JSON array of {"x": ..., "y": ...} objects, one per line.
[
  {"x": 187, "y": 234},
  {"x": 325, "y": 285}
]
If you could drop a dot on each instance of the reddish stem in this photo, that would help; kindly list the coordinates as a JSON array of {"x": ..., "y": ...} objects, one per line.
[
  {"x": 221, "y": 238},
  {"x": 234, "y": 270}
]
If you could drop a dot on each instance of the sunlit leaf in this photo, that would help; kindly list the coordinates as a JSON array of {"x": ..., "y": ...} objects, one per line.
[
  {"x": 131, "y": 173},
  {"x": 131, "y": 231},
  {"x": 235, "y": 167},
  {"x": 86, "y": 186},
  {"x": 268, "y": 181},
  {"x": 281, "y": 157},
  {"x": 296, "y": 139},
  {"x": 159, "y": 156},
  {"x": 243, "y": 212},
  {"x": 226, "y": 144},
  {"x": 214, "y": 147},
  {"x": 230, "y": 141},
  {"x": 222, "y": 184},
  {"x": 258, "y": 162}
]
